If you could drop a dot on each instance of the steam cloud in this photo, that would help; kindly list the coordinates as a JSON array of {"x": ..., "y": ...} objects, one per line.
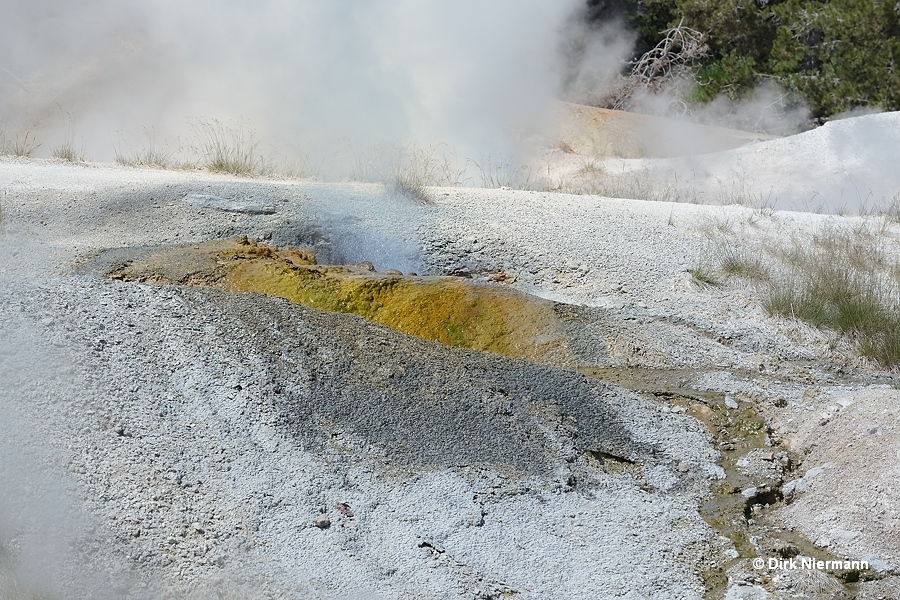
[
  {"x": 317, "y": 75},
  {"x": 327, "y": 81}
]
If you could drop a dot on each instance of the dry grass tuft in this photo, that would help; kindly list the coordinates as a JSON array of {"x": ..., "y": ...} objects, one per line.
[
  {"x": 22, "y": 145},
  {"x": 228, "y": 148},
  {"x": 67, "y": 152},
  {"x": 419, "y": 167},
  {"x": 152, "y": 154},
  {"x": 502, "y": 172}
]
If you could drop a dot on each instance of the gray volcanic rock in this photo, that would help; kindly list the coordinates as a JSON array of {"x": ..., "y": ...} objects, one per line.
[{"x": 204, "y": 433}]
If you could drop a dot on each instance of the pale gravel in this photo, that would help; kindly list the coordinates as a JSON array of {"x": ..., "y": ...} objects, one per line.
[{"x": 196, "y": 435}]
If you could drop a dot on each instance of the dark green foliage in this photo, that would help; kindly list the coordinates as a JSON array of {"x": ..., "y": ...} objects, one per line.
[
  {"x": 743, "y": 264},
  {"x": 704, "y": 274},
  {"x": 835, "y": 55},
  {"x": 731, "y": 75},
  {"x": 841, "y": 54}
]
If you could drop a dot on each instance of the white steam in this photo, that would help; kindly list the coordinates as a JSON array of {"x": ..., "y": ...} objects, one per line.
[
  {"x": 765, "y": 109},
  {"x": 44, "y": 537},
  {"x": 318, "y": 76},
  {"x": 330, "y": 89}
]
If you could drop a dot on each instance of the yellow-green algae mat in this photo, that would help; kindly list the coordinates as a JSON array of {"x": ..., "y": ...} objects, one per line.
[{"x": 452, "y": 310}]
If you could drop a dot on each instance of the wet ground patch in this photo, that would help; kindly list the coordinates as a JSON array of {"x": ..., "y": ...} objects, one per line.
[{"x": 755, "y": 470}]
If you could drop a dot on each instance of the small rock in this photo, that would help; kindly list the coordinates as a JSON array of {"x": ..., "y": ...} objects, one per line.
[
  {"x": 815, "y": 471},
  {"x": 434, "y": 547},
  {"x": 877, "y": 564},
  {"x": 786, "y": 550},
  {"x": 730, "y": 402},
  {"x": 746, "y": 591},
  {"x": 322, "y": 522},
  {"x": 366, "y": 265},
  {"x": 344, "y": 509},
  {"x": 750, "y": 492},
  {"x": 791, "y": 488}
]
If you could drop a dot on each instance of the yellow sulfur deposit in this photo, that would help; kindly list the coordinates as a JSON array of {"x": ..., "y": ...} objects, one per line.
[{"x": 450, "y": 310}]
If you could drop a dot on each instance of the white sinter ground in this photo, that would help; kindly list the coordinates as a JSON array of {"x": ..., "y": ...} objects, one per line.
[
  {"x": 179, "y": 442},
  {"x": 848, "y": 165}
]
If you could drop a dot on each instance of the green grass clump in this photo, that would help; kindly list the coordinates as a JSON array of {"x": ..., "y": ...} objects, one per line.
[
  {"x": 741, "y": 264},
  {"x": 705, "y": 275},
  {"x": 844, "y": 282}
]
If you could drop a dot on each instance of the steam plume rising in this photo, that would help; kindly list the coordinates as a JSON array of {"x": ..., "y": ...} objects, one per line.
[{"x": 319, "y": 75}]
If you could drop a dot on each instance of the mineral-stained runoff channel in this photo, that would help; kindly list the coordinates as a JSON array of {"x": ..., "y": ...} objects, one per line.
[{"x": 737, "y": 503}]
